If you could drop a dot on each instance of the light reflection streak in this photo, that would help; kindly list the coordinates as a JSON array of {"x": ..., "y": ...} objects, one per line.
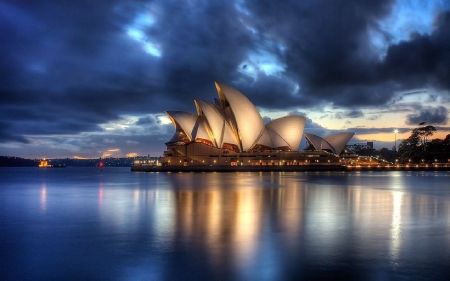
[
  {"x": 251, "y": 221},
  {"x": 325, "y": 218},
  {"x": 185, "y": 212},
  {"x": 247, "y": 224},
  {"x": 44, "y": 198},
  {"x": 163, "y": 211},
  {"x": 396, "y": 227},
  {"x": 212, "y": 222},
  {"x": 291, "y": 212},
  {"x": 136, "y": 197}
]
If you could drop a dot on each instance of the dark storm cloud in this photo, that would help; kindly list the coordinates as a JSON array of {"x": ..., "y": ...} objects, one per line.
[
  {"x": 7, "y": 136},
  {"x": 148, "y": 120},
  {"x": 424, "y": 59},
  {"x": 429, "y": 115},
  {"x": 327, "y": 46},
  {"x": 374, "y": 117},
  {"x": 54, "y": 56},
  {"x": 68, "y": 66},
  {"x": 296, "y": 113},
  {"x": 354, "y": 113},
  {"x": 267, "y": 119}
]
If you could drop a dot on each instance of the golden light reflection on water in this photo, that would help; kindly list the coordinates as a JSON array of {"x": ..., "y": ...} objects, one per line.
[
  {"x": 229, "y": 215},
  {"x": 215, "y": 216},
  {"x": 396, "y": 238},
  {"x": 291, "y": 211},
  {"x": 235, "y": 212},
  {"x": 238, "y": 210},
  {"x": 248, "y": 214}
]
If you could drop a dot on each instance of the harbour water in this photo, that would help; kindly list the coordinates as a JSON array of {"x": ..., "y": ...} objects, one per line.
[{"x": 87, "y": 224}]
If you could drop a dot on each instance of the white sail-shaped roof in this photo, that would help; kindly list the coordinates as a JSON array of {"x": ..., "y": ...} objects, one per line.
[
  {"x": 200, "y": 130},
  {"x": 178, "y": 136},
  {"x": 248, "y": 124},
  {"x": 277, "y": 140},
  {"x": 290, "y": 128},
  {"x": 271, "y": 139},
  {"x": 335, "y": 143},
  {"x": 234, "y": 120},
  {"x": 220, "y": 129},
  {"x": 265, "y": 139},
  {"x": 184, "y": 121},
  {"x": 211, "y": 120},
  {"x": 338, "y": 141},
  {"x": 314, "y": 140},
  {"x": 324, "y": 145}
]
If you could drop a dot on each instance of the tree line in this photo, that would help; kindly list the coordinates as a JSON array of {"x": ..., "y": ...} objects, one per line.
[{"x": 419, "y": 147}]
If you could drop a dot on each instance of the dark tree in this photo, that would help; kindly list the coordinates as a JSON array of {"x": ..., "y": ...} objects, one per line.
[
  {"x": 424, "y": 133},
  {"x": 417, "y": 147},
  {"x": 411, "y": 147}
]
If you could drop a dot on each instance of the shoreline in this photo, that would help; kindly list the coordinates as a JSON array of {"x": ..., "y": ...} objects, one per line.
[{"x": 302, "y": 168}]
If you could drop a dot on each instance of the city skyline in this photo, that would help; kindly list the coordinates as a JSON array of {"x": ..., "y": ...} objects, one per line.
[{"x": 94, "y": 79}]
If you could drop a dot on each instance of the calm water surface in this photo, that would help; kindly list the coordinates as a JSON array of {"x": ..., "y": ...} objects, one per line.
[{"x": 83, "y": 224}]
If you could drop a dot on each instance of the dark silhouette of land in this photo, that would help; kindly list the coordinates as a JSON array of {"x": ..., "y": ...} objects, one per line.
[{"x": 12, "y": 161}]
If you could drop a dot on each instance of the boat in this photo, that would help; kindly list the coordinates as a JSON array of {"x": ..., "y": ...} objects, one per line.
[{"x": 44, "y": 164}]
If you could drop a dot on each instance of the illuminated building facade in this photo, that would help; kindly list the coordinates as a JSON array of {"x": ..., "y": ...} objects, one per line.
[{"x": 231, "y": 132}]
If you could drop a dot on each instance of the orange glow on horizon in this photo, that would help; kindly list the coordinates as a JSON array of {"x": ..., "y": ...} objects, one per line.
[
  {"x": 385, "y": 137},
  {"x": 110, "y": 152},
  {"x": 79, "y": 157},
  {"x": 390, "y": 137}
]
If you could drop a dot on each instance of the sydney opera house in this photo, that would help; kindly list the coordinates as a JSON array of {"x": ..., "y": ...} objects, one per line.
[{"x": 231, "y": 132}]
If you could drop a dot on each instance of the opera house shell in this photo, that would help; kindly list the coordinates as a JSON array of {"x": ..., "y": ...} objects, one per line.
[
  {"x": 333, "y": 143},
  {"x": 231, "y": 131}
]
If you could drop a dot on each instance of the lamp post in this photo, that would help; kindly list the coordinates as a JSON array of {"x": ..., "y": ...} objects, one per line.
[{"x": 395, "y": 143}]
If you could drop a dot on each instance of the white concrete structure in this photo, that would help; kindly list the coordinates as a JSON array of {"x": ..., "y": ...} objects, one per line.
[
  {"x": 233, "y": 122},
  {"x": 334, "y": 143}
]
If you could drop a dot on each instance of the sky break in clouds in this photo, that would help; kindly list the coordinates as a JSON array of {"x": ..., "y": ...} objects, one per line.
[{"x": 91, "y": 78}]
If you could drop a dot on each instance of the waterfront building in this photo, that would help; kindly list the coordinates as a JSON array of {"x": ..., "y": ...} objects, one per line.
[{"x": 231, "y": 132}]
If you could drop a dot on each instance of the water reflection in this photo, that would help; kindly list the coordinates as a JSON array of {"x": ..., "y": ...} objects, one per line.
[
  {"x": 230, "y": 226},
  {"x": 43, "y": 198},
  {"x": 100, "y": 196},
  {"x": 230, "y": 217},
  {"x": 396, "y": 182},
  {"x": 395, "y": 243}
]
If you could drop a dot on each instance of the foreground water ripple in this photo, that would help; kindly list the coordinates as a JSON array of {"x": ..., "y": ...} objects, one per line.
[{"x": 83, "y": 223}]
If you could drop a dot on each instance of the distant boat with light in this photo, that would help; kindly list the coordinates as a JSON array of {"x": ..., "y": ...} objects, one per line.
[{"x": 45, "y": 164}]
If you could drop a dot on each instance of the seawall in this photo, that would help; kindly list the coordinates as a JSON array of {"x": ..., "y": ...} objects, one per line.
[
  {"x": 137, "y": 168},
  {"x": 399, "y": 168},
  {"x": 301, "y": 168}
]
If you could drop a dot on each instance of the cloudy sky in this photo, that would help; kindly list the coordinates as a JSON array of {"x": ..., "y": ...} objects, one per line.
[{"x": 93, "y": 78}]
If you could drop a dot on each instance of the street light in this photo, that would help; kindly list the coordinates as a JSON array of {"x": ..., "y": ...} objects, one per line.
[{"x": 395, "y": 143}]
